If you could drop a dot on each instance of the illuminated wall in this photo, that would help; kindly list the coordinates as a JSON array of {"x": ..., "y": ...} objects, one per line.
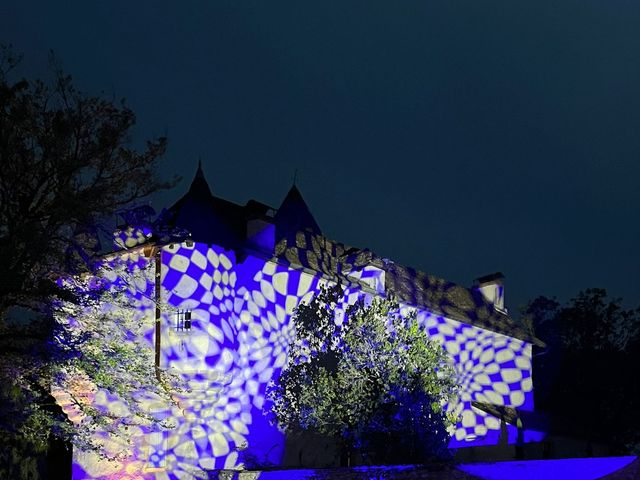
[{"x": 241, "y": 328}]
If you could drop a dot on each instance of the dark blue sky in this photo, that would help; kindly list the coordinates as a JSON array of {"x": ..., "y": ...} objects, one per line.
[{"x": 458, "y": 137}]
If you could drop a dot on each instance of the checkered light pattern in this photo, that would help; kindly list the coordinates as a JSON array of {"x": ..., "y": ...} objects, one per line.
[
  {"x": 129, "y": 237},
  {"x": 491, "y": 368},
  {"x": 370, "y": 276},
  {"x": 241, "y": 329}
]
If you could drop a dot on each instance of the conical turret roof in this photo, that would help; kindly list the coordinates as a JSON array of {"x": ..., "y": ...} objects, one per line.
[
  {"x": 199, "y": 186},
  {"x": 207, "y": 218},
  {"x": 294, "y": 215}
]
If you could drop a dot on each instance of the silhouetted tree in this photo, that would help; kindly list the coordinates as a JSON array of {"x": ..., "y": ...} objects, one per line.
[
  {"x": 587, "y": 376},
  {"x": 66, "y": 164}
]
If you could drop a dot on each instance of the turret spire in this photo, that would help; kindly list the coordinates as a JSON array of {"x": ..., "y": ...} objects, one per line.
[
  {"x": 199, "y": 185},
  {"x": 294, "y": 215}
]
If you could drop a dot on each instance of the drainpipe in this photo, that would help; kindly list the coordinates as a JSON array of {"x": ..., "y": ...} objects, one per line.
[{"x": 158, "y": 271}]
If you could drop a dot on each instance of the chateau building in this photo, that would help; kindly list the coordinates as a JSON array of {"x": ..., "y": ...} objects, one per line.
[{"x": 233, "y": 281}]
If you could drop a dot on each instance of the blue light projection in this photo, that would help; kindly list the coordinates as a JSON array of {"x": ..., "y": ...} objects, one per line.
[
  {"x": 241, "y": 328},
  {"x": 491, "y": 368},
  {"x": 572, "y": 468}
]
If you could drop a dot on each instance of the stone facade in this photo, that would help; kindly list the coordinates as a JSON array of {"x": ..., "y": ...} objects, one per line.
[{"x": 241, "y": 294}]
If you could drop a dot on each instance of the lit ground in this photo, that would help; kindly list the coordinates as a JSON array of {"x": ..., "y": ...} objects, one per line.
[{"x": 610, "y": 468}]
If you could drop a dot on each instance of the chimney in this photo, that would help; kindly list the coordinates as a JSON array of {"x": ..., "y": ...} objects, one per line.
[{"x": 492, "y": 289}]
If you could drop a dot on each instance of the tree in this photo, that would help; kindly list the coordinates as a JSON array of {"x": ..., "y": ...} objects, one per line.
[
  {"x": 97, "y": 366},
  {"x": 586, "y": 378},
  {"x": 67, "y": 166},
  {"x": 370, "y": 374},
  {"x": 104, "y": 351}
]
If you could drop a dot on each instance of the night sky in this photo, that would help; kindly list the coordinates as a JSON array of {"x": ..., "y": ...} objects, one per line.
[{"x": 457, "y": 137}]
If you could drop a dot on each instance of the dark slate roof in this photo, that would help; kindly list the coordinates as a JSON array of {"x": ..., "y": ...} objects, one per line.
[
  {"x": 255, "y": 209},
  {"x": 213, "y": 220},
  {"x": 294, "y": 216},
  {"x": 199, "y": 186},
  {"x": 209, "y": 219},
  {"x": 405, "y": 284}
]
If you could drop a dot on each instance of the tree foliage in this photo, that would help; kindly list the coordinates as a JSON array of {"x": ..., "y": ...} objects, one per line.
[
  {"x": 67, "y": 165},
  {"x": 107, "y": 380},
  {"x": 374, "y": 372},
  {"x": 94, "y": 384},
  {"x": 587, "y": 377}
]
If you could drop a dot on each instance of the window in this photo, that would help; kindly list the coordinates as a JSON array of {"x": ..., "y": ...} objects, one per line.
[{"x": 183, "y": 320}]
